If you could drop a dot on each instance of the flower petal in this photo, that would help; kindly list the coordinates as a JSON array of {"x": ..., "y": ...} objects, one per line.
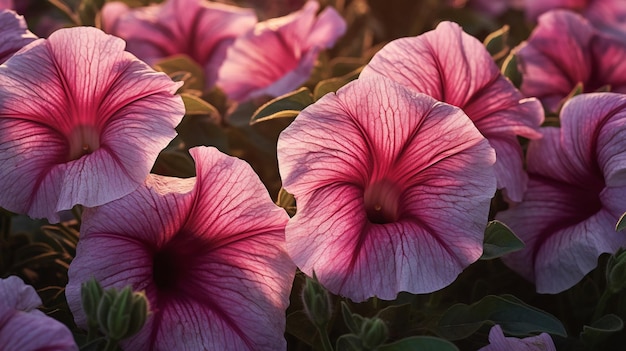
[
  {"x": 14, "y": 32},
  {"x": 14, "y": 293},
  {"x": 21, "y": 331},
  {"x": 280, "y": 53},
  {"x": 455, "y": 68},
  {"x": 498, "y": 342}
]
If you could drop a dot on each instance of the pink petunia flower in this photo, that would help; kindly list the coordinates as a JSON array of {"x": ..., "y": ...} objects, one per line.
[
  {"x": 14, "y": 33},
  {"x": 392, "y": 189},
  {"x": 208, "y": 251},
  {"x": 498, "y": 342},
  {"x": 200, "y": 29},
  {"x": 565, "y": 50},
  {"x": 455, "y": 68},
  {"x": 278, "y": 55},
  {"x": 609, "y": 15},
  {"x": 81, "y": 122},
  {"x": 23, "y": 327},
  {"x": 576, "y": 194}
]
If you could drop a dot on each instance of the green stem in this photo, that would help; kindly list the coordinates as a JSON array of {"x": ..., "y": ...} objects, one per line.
[
  {"x": 326, "y": 345},
  {"x": 601, "y": 306},
  {"x": 111, "y": 345}
]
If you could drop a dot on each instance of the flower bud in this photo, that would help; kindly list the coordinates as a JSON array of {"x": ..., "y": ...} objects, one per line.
[
  {"x": 91, "y": 292},
  {"x": 122, "y": 314},
  {"x": 316, "y": 302},
  {"x": 374, "y": 333}
]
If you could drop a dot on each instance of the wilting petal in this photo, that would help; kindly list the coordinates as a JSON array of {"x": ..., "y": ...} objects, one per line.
[
  {"x": 279, "y": 53},
  {"x": 374, "y": 169},
  {"x": 84, "y": 126},
  {"x": 14, "y": 33},
  {"x": 575, "y": 196},
  {"x": 498, "y": 342},
  {"x": 455, "y": 68},
  {"x": 199, "y": 29},
  {"x": 23, "y": 327},
  {"x": 208, "y": 252},
  {"x": 565, "y": 50}
]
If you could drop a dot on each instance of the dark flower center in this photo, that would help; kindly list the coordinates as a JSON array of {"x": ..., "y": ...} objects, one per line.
[
  {"x": 83, "y": 140},
  {"x": 173, "y": 265},
  {"x": 382, "y": 202}
]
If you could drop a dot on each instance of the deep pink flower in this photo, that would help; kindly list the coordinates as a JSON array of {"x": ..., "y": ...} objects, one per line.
[
  {"x": 14, "y": 34},
  {"x": 23, "y": 327},
  {"x": 576, "y": 193},
  {"x": 81, "y": 122},
  {"x": 392, "y": 188},
  {"x": 498, "y": 342},
  {"x": 6, "y": 4},
  {"x": 605, "y": 14},
  {"x": 564, "y": 50},
  {"x": 208, "y": 251},
  {"x": 278, "y": 55},
  {"x": 199, "y": 29},
  {"x": 455, "y": 68}
]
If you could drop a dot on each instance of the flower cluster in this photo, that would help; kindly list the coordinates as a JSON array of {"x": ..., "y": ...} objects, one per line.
[{"x": 362, "y": 179}]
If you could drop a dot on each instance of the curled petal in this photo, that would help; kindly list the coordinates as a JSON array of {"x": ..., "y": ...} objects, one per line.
[
  {"x": 14, "y": 32},
  {"x": 498, "y": 342}
]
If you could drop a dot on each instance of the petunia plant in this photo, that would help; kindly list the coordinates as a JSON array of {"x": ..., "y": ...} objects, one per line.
[{"x": 312, "y": 175}]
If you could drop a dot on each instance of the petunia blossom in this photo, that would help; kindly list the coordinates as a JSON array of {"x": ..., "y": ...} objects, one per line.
[
  {"x": 576, "y": 194},
  {"x": 81, "y": 122},
  {"x": 609, "y": 15},
  {"x": 199, "y": 29},
  {"x": 278, "y": 55},
  {"x": 455, "y": 68},
  {"x": 208, "y": 252},
  {"x": 14, "y": 33},
  {"x": 498, "y": 342},
  {"x": 23, "y": 327},
  {"x": 392, "y": 189},
  {"x": 565, "y": 50}
]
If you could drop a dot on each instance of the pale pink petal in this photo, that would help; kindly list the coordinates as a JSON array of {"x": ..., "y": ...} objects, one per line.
[
  {"x": 279, "y": 53},
  {"x": 23, "y": 327},
  {"x": 208, "y": 251},
  {"x": 498, "y": 342},
  {"x": 14, "y": 293},
  {"x": 575, "y": 196},
  {"x": 82, "y": 122},
  {"x": 199, "y": 29},
  {"x": 423, "y": 160},
  {"x": 565, "y": 50},
  {"x": 14, "y": 33},
  {"x": 455, "y": 68}
]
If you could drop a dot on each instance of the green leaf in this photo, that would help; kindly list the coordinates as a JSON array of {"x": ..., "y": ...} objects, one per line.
[
  {"x": 333, "y": 84},
  {"x": 349, "y": 342},
  {"x": 499, "y": 241},
  {"x": 621, "y": 223},
  {"x": 285, "y": 106},
  {"x": 422, "y": 343},
  {"x": 601, "y": 329},
  {"x": 509, "y": 69},
  {"x": 497, "y": 43},
  {"x": 177, "y": 65},
  {"x": 513, "y": 315},
  {"x": 196, "y": 106},
  {"x": 348, "y": 318}
]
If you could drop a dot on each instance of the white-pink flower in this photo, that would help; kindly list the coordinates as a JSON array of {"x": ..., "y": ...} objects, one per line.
[
  {"x": 392, "y": 189},
  {"x": 23, "y": 327},
  {"x": 81, "y": 122}
]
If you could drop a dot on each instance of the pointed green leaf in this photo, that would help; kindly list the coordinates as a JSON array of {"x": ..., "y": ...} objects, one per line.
[
  {"x": 497, "y": 43},
  {"x": 176, "y": 65},
  {"x": 422, "y": 343},
  {"x": 333, "y": 84},
  {"x": 621, "y": 223},
  {"x": 285, "y": 106},
  {"x": 348, "y": 318},
  {"x": 196, "y": 106},
  {"x": 601, "y": 329},
  {"x": 349, "y": 342},
  {"x": 499, "y": 240},
  {"x": 513, "y": 315}
]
